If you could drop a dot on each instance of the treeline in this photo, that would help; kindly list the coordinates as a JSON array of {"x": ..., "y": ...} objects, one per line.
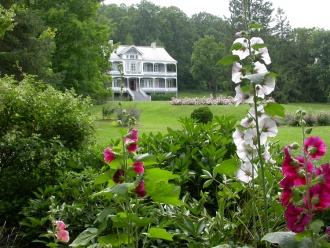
[{"x": 65, "y": 43}]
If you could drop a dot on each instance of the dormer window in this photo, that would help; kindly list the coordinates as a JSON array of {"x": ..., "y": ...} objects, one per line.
[{"x": 133, "y": 56}]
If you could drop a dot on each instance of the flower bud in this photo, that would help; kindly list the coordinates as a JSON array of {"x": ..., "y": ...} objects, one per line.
[{"x": 294, "y": 146}]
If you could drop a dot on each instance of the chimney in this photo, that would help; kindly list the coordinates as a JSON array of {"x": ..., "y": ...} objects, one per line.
[
  {"x": 153, "y": 45},
  {"x": 110, "y": 42}
]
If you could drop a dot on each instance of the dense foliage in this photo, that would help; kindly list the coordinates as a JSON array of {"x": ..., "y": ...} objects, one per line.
[
  {"x": 41, "y": 129},
  {"x": 202, "y": 115}
]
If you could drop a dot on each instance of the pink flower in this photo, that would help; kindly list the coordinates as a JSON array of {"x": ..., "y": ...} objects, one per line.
[
  {"x": 133, "y": 135},
  {"x": 63, "y": 236},
  {"x": 324, "y": 172},
  {"x": 138, "y": 167},
  {"x": 140, "y": 190},
  {"x": 297, "y": 219},
  {"x": 131, "y": 145},
  {"x": 109, "y": 155},
  {"x": 119, "y": 176},
  {"x": 296, "y": 170},
  {"x": 320, "y": 197},
  {"x": 60, "y": 225},
  {"x": 286, "y": 184},
  {"x": 315, "y": 147}
]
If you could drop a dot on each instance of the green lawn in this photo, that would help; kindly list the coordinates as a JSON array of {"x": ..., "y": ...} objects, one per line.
[{"x": 157, "y": 116}]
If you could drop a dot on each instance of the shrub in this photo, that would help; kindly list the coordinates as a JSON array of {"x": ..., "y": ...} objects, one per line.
[
  {"x": 310, "y": 120},
  {"x": 107, "y": 112},
  {"x": 323, "y": 119},
  {"x": 128, "y": 114},
  {"x": 40, "y": 129},
  {"x": 202, "y": 115},
  {"x": 162, "y": 97}
]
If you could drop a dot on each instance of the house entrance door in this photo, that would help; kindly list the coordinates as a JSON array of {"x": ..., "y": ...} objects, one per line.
[{"x": 132, "y": 85}]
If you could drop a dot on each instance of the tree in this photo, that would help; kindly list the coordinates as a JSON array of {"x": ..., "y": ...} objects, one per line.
[
  {"x": 260, "y": 12},
  {"x": 204, "y": 58}
]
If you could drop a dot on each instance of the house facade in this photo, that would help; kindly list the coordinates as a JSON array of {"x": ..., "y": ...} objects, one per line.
[{"x": 146, "y": 70}]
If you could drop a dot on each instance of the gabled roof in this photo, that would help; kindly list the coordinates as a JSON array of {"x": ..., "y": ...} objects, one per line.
[{"x": 148, "y": 53}]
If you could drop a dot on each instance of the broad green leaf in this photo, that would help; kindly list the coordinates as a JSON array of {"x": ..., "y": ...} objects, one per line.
[
  {"x": 286, "y": 239},
  {"x": 141, "y": 221},
  {"x": 117, "y": 189},
  {"x": 256, "y": 25},
  {"x": 228, "y": 60},
  {"x": 236, "y": 46},
  {"x": 273, "y": 108},
  {"x": 103, "y": 178},
  {"x": 157, "y": 175},
  {"x": 227, "y": 167},
  {"x": 114, "y": 239},
  {"x": 256, "y": 78},
  {"x": 207, "y": 183},
  {"x": 159, "y": 233},
  {"x": 84, "y": 237},
  {"x": 105, "y": 213},
  {"x": 316, "y": 225},
  {"x": 164, "y": 192},
  {"x": 258, "y": 46},
  {"x": 145, "y": 158}
]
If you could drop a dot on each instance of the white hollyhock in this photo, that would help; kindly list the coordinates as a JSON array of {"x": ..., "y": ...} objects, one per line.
[
  {"x": 244, "y": 173},
  {"x": 268, "y": 126},
  {"x": 243, "y": 52},
  {"x": 263, "y": 52}
]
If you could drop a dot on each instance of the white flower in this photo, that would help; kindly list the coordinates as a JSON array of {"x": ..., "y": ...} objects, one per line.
[
  {"x": 268, "y": 126},
  {"x": 266, "y": 155},
  {"x": 238, "y": 137},
  {"x": 260, "y": 112},
  {"x": 250, "y": 137},
  {"x": 243, "y": 52},
  {"x": 268, "y": 85},
  {"x": 244, "y": 173},
  {"x": 241, "y": 96},
  {"x": 236, "y": 72},
  {"x": 246, "y": 152},
  {"x": 262, "y": 51}
]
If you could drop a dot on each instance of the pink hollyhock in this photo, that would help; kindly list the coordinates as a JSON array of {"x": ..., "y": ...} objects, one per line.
[
  {"x": 60, "y": 225},
  {"x": 286, "y": 184},
  {"x": 320, "y": 197},
  {"x": 119, "y": 176},
  {"x": 140, "y": 189},
  {"x": 315, "y": 147},
  {"x": 133, "y": 135},
  {"x": 138, "y": 167},
  {"x": 297, "y": 219},
  {"x": 109, "y": 155},
  {"x": 63, "y": 236},
  {"x": 296, "y": 168},
  {"x": 131, "y": 145},
  {"x": 324, "y": 172}
]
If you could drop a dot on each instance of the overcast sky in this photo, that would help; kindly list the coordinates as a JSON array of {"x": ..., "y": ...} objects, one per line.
[{"x": 300, "y": 13}]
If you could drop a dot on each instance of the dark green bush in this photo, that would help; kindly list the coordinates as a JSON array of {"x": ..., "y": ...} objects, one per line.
[
  {"x": 202, "y": 115},
  {"x": 40, "y": 130},
  {"x": 162, "y": 97}
]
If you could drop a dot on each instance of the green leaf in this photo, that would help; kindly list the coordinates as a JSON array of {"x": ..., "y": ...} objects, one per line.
[
  {"x": 84, "y": 237},
  {"x": 114, "y": 239},
  {"x": 309, "y": 130},
  {"x": 273, "y": 108},
  {"x": 158, "y": 175},
  {"x": 236, "y": 46},
  {"x": 256, "y": 25},
  {"x": 206, "y": 174},
  {"x": 207, "y": 183},
  {"x": 316, "y": 225},
  {"x": 286, "y": 239},
  {"x": 228, "y": 60},
  {"x": 258, "y": 46},
  {"x": 141, "y": 221},
  {"x": 164, "y": 193},
  {"x": 256, "y": 78},
  {"x": 227, "y": 167},
  {"x": 145, "y": 158},
  {"x": 103, "y": 178},
  {"x": 159, "y": 233},
  {"x": 117, "y": 189}
]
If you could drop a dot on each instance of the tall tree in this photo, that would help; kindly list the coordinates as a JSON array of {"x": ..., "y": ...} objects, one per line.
[
  {"x": 207, "y": 52},
  {"x": 260, "y": 12}
]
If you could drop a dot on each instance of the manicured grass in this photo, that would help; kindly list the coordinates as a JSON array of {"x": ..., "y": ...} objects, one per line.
[{"x": 158, "y": 116}]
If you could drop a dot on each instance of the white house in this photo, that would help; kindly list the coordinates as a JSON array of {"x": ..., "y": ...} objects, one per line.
[{"x": 146, "y": 70}]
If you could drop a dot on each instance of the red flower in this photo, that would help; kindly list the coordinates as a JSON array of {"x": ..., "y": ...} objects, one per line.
[
  {"x": 140, "y": 189},
  {"x": 119, "y": 176},
  {"x": 109, "y": 155},
  {"x": 286, "y": 184},
  {"x": 320, "y": 197},
  {"x": 133, "y": 135},
  {"x": 297, "y": 219},
  {"x": 314, "y": 147},
  {"x": 138, "y": 167},
  {"x": 296, "y": 170},
  {"x": 131, "y": 145},
  {"x": 324, "y": 172}
]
